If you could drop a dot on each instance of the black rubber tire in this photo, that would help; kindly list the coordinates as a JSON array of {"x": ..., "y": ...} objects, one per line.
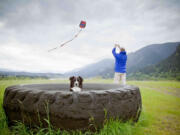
[{"x": 71, "y": 110}]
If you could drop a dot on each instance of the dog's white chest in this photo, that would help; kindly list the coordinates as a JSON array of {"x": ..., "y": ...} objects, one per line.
[{"x": 76, "y": 89}]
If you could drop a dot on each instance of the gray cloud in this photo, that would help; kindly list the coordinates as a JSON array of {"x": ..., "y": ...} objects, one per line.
[{"x": 42, "y": 24}]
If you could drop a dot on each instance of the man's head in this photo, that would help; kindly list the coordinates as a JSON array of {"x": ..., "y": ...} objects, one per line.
[{"x": 122, "y": 49}]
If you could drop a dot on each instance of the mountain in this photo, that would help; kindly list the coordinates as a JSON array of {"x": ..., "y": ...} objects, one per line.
[
  {"x": 6, "y": 72},
  {"x": 95, "y": 69},
  {"x": 170, "y": 66},
  {"x": 4, "y": 69},
  {"x": 149, "y": 55}
]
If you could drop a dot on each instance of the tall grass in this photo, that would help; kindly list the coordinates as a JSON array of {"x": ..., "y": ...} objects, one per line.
[{"x": 111, "y": 127}]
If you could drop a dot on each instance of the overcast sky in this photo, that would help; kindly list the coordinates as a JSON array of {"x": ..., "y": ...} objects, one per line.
[{"x": 29, "y": 28}]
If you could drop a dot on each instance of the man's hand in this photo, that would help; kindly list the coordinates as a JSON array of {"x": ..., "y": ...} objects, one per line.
[{"x": 116, "y": 45}]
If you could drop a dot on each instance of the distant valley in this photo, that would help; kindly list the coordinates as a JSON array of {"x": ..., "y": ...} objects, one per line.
[{"x": 138, "y": 62}]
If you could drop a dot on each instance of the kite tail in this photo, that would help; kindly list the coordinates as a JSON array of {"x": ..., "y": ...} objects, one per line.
[{"x": 75, "y": 36}]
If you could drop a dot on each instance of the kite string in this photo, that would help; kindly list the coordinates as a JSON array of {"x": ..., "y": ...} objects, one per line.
[{"x": 66, "y": 41}]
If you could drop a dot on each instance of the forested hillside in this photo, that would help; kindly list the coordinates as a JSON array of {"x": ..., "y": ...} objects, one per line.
[{"x": 168, "y": 68}]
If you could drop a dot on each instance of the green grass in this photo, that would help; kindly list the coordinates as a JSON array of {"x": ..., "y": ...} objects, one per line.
[{"x": 160, "y": 115}]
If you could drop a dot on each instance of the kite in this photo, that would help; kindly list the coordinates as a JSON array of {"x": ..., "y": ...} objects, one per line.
[{"x": 82, "y": 25}]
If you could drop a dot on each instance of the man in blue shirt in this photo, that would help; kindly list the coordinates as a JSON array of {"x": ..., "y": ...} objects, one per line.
[{"x": 120, "y": 65}]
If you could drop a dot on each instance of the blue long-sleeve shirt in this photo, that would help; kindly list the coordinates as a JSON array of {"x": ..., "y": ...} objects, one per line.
[{"x": 120, "y": 61}]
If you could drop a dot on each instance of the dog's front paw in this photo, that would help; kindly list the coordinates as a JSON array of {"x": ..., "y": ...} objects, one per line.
[{"x": 76, "y": 89}]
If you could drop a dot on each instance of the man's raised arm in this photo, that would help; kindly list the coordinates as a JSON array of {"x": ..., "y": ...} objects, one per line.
[{"x": 114, "y": 50}]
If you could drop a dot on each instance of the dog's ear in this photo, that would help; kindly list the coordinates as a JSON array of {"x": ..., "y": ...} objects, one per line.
[
  {"x": 71, "y": 81},
  {"x": 80, "y": 82},
  {"x": 81, "y": 79},
  {"x": 71, "y": 78}
]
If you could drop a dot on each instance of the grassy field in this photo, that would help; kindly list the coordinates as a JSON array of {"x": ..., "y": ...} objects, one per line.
[{"x": 160, "y": 115}]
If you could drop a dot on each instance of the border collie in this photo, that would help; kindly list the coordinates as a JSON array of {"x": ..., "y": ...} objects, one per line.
[{"x": 76, "y": 83}]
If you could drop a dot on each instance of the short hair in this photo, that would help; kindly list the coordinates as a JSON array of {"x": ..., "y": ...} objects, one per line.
[{"x": 122, "y": 49}]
